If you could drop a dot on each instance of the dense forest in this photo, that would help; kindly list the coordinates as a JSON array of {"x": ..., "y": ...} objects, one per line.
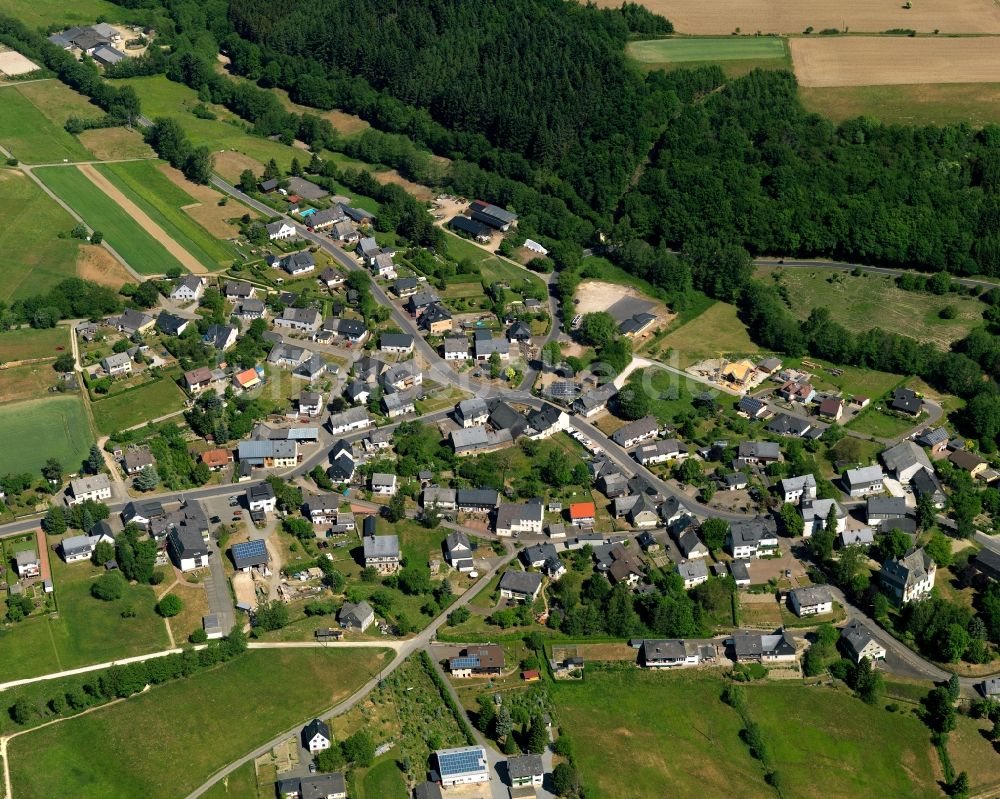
[
  {"x": 750, "y": 166},
  {"x": 544, "y": 81}
]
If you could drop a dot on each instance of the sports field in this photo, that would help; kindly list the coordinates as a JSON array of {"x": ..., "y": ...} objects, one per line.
[
  {"x": 34, "y": 431},
  {"x": 680, "y": 739},
  {"x": 143, "y": 253},
  {"x": 871, "y": 61},
  {"x": 139, "y": 405},
  {"x": 146, "y": 185},
  {"x": 31, "y": 136},
  {"x": 858, "y": 16},
  {"x": 202, "y": 722},
  {"x": 924, "y": 104}
]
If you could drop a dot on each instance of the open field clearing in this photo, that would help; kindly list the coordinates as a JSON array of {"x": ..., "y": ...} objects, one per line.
[
  {"x": 859, "y": 16},
  {"x": 111, "y": 144},
  {"x": 138, "y": 405},
  {"x": 57, "y": 101},
  {"x": 26, "y": 382},
  {"x": 129, "y": 237},
  {"x": 32, "y": 263},
  {"x": 718, "y": 331},
  {"x": 662, "y": 724},
  {"x": 206, "y": 210},
  {"x": 165, "y": 202},
  {"x": 34, "y": 431},
  {"x": 30, "y": 135},
  {"x": 27, "y": 342},
  {"x": 870, "y": 61},
  {"x": 922, "y": 104},
  {"x": 97, "y": 264},
  {"x": 204, "y": 722},
  {"x": 40, "y": 13},
  {"x": 241, "y": 784},
  {"x": 860, "y": 303},
  {"x": 737, "y": 55}
]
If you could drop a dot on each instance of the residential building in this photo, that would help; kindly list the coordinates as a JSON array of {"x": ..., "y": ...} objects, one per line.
[
  {"x": 436, "y": 319},
  {"x": 382, "y": 553},
  {"x": 512, "y": 520},
  {"x": 198, "y": 379},
  {"x": 670, "y": 654},
  {"x": 740, "y": 569},
  {"x": 188, "y": 289},
  {"x": 859, "y": 642},
  {"x": 472, "y": 412},
  {"x": 636, "y": 325},
  {"x": 222, "y": 337},
  {"x": 757, "y": 453},
  {"x": 238, "y": 290},
  {"x": 525, "y": 770},
  {"x": 668, "y": 449},
  {"x": 143, "y": 512},
  {"x": 397, "y": 343},
  {"x": 883, "y": 511},
  {"x": 249, "y": 554},
  {"x": 132, "y": 322},
  {"x": 692, "y": 572},
  {"x": 582, "y": 514},
  {"x": 476, "y": 500},
  {"x": 298, "y": 263},
  {"x": 458, "y": 551},
  {"x": 383, "y": 485},
  {"x": 519, "y": 332},
  {"x": 401, "y": 376},
  {"x": 280, "y": 231},
  {"x": 636, "y": 432},
  {"x": 595, "y": 401},
  {"x": 464, "y": 765},
  {"x": 785, "y": 425},
  {"x": 456, "y": 348},
  {"x": 269, "y": 453},
  {"x": 857, "y": 536},
  {"x": 904, "y": 460},
  {"x": 357, "y": 617},
  {"x": 261, "y": 497},
  {"x": 486, "y": 345},
  {"x": 935, "y": 439},
  {"x": 753, "y": 538},
  {"x": 484, "y": 660},
  {"x": 315, "y": 786},
  {"x": 350, "y": 420},
  {"x": 831, "y": 409},
  {"x": 815, "y": 513},
  {"x": 691, "y": 545},
  {"x": 117, "y": 364},
  {"x": 793, "y": 489},
  {"x": 968, "y": 461},
  {"x": 248, "y": 379},
  {"x": 316, "y": 736},
  {"x": 520, "y": 586},
  {"x": 546, "y": 422},
  {"x": 794, "y": 391},
  {"x": 755, "y": 647},
  {"x": 307, "y": 319},
  {"x": 753, "y": 408},
  {"x": 478, "y": 439},
  {"x": 170, "y": 325},
  {"x": 135, "y": 460},
  {"x": 926, "y": 482},
  {"x": 187, "y": 548},
  {"x": 504, "y": 416},
  {"x": 908, "y": 578},
  {"x": 96, "y": 488},
  {"x": 864, "y": 481},
  {"x": 811, "y": 600},
  {"x": 906, "y": 400},
  {"x": 28, "y": 564}
]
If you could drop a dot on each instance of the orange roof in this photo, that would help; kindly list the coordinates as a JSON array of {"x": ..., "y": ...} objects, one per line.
[
  {"x": 249, "y": 376},
  {"x": 582, "y": 510},
  {"x": 530, "y": 675},
  {"x": 216, "y": 457}
]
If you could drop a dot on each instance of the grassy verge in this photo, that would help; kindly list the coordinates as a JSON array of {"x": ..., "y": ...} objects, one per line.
[
  {"x": 203, "y": 722},
  {"x": 143, "y": 253}
]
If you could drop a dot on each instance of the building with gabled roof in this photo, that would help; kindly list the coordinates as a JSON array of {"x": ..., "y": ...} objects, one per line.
[
  {"x": 908, "y": 578},
  {"x": 859, "y": 642}
]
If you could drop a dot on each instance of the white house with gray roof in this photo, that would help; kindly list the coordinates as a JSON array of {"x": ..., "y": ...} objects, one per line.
[
  {"x": 908, "y": 578},
  {"x": 794, "y": 489},
  {"x": 864, "y": 481},
  {"x": 382, "y": 553},
  {"x": 512, "y": 520},
  {"x": 906, "y": 459},
  {"x": 811, "y": 600},
  {"x": 520, "y": 586},
  {"x": 859, "y": 642},
  {"x": 96, "y": 488}
]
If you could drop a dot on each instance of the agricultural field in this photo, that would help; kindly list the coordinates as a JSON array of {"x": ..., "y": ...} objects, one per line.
[
  {"x": 620, "y": 716},
  {"x": 136, "y": 406},
  {"x": 241, "y": 784},
  {"x": 27, "y": 342},
  {"x": 57, "y": 101},
  {"x": 35, "y": 263},
  {"x": 923, "y": 104},
  {"x": 36, "y": 430},
  {"x": 30, "y": 135},
  {"x": 204, "y": 722},
  {"x": 859, "y": 16},
  {"x": 868, "y": 61},
  {"x": 42, "y": 13},
  {"x": 86, "y": 631},
  {"x": 26, "y": 382},
  {"x": 858, "y": 303},
  {"x": 165, "y": 202},
  {"x": 717, "y": 331},
  {"x": 111, "y": 144},
  {"x": 137, "y": 246},
  {"x": 736, "y": 55}
]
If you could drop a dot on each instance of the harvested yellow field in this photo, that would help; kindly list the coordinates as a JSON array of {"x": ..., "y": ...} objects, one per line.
[
  {"x": 794, "y": 16},
  {"x": 869, "y": 61}
]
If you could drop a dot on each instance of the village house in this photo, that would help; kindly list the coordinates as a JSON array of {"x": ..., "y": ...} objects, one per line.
[
  {"x": 222, "y": 337},
  {"x": 396, "y": 343},
  {"x": 456, "y": 348},
  {"x": 755, "y": 647},
  {"x": 906, "y": 400},
  {"x": 692, "y": 572},
  {"x": 436, "y": 319},
  {"x": 465, "y": 765},
  {"x": 238, "y": 290},
  {"x": 188, "y": 289},
  {"x": 691, "y": 545},
  {"x": 298, "y": 263},
  {"x": 815, "y": 513},
  {"x": 28, "y": 564},
  {"x": 316, "y": 736},
  {"x": 793, "y": 391},
  {"x": 935, "y": 439},
  {"x": 582, "y": 514},
  {"x": 595, "y": 401},
  {"x": 791, "y": 426},
  {"x": 383, "y": 485},
  {"x": 636, "y": 432},
  {"x": 486, "y": 345},
  {"x": 472, "y": 412},
  {"x": 261, "y": 497},
  {"x": 811, "y": 600},
  {"x": 904, "y": 460},
  {"x": 401, "y": 376},
  {"x": 793, "y": 489},
  {"x": 135, "y": 460},
  {"x": 908, "y": 578},
  {"x": 968, "y": 461},
  {"x": 348, "y": 421},
  {"x": 117, "y": 364},
  {"x": 187, "y": 548},
  {"x": 133, "y": 322},
  {"x": 670, "y": 654},
  {"x": 756, "y": 453},
  {"x": 382, "y": 553},
  {"x": 96, "y": 488},
  {"x": 440, "y": 498},
  {"x": 520, "y": 586},
  {"x": 268, "y": 453},
  {"x": 248, "y": 555},
  {"x": 831, "y": 409},
  {"x": 76, "y": 548},
  {"x": 342, "y": 464},
  {"x": 864, "y": 481},
  {"x": 357, "y": 617},
  {"x": 280, "y": 231},
  {"x": 198, "y": 379},
  {"x": 525, "y": 770},
  {"x": 753, "y": 408},
  {"x": 668, "y": 449},
  {"x": 859, "y": 642},
  {"x": 478, "y": 440},
  {"x": 884, "y": 512},
  {"x": 512, "y": 520},
  {"x": 546, "y": 422},
  {"x": 306, "y": 319},
  {"x": 248, "y": 379},
  {"x": 752, "y": 538},
  {"x": 458, "y": 551},
  {"x": 479, "y": 661},
  {"x": 315, "y": 786},
  {"x": 476, "y": 500}
]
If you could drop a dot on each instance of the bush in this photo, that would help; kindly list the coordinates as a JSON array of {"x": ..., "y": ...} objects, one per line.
[
  {"x": 199, "y": 636},
  {"x": 169, "y": 606},
  {"x": 109, "y": 587}
]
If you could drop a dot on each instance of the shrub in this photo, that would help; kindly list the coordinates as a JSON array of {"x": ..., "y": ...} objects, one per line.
[
  {"x": 169, "y": 606},
  {"x": 109, "y": 587}
]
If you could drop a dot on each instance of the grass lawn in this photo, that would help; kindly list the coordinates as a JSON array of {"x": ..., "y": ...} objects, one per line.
[
  {"x": 36, "y": 430},
  {"x": 712, "y": 334},
  {"x": 241, "y": 784},
  {"x": 874, "y": 422},
  {"x": 143, "y": 253},
  {"x": 151, "y": 190},
  {"x": 28, "y": 342},
  {"x": 853, "y": 380},
  {"x": 972, "y": 753},
  {"x": 383, "y": 780},
  {"x": 58, "y": 102},
  {"x": 735, "y": 54},
  {"x": 137, "y": 406},
  {"x": 30, "y": 135},
  {"x": 40, "y": 13},
  {"x": 491, "y": 267},
  {"x": 859, "y": 303},
  {"x": 36, "y": 262},
  {"x": 86, "y": 631},
  {"x": 916, "y": 104},
  {"x": 673, "y": 394},
  {"x": 204, "y": 722},
  {"x": 28, "y": 382},
  {"x": 859, "y": 750}
]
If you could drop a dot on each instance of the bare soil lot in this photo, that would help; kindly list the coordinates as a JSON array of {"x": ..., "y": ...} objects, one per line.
[
  {"x": 794, "y": 16},
  {"x": 619, "y": 301},
  {"x": 231, "y": 163},
  {"x": 99, "y": 265},
  {"x": 207, "y": 212},
  {"x": 418, "y": 190},
  {"x": 110, "y": 144},
  {"x": 868, "y": 61}
]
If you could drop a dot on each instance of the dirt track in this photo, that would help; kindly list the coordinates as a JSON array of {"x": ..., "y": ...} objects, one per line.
[
  {"x": 870, "y": 61},
  {"x": 187, "y": 260},
  {"x": 794, "y": 16}
]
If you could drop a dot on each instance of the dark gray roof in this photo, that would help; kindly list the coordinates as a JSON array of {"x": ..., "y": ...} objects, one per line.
[
  {"x": 521, "y": 766},
  {"x": 526, "y": 583},
  {"x": 477, "y": 498}
]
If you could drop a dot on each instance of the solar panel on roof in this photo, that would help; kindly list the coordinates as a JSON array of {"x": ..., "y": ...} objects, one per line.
[
  {"x": 250, "y": 549},
  {"x": 468, "y": 662},
  {"x": 460, "y": 762}
]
